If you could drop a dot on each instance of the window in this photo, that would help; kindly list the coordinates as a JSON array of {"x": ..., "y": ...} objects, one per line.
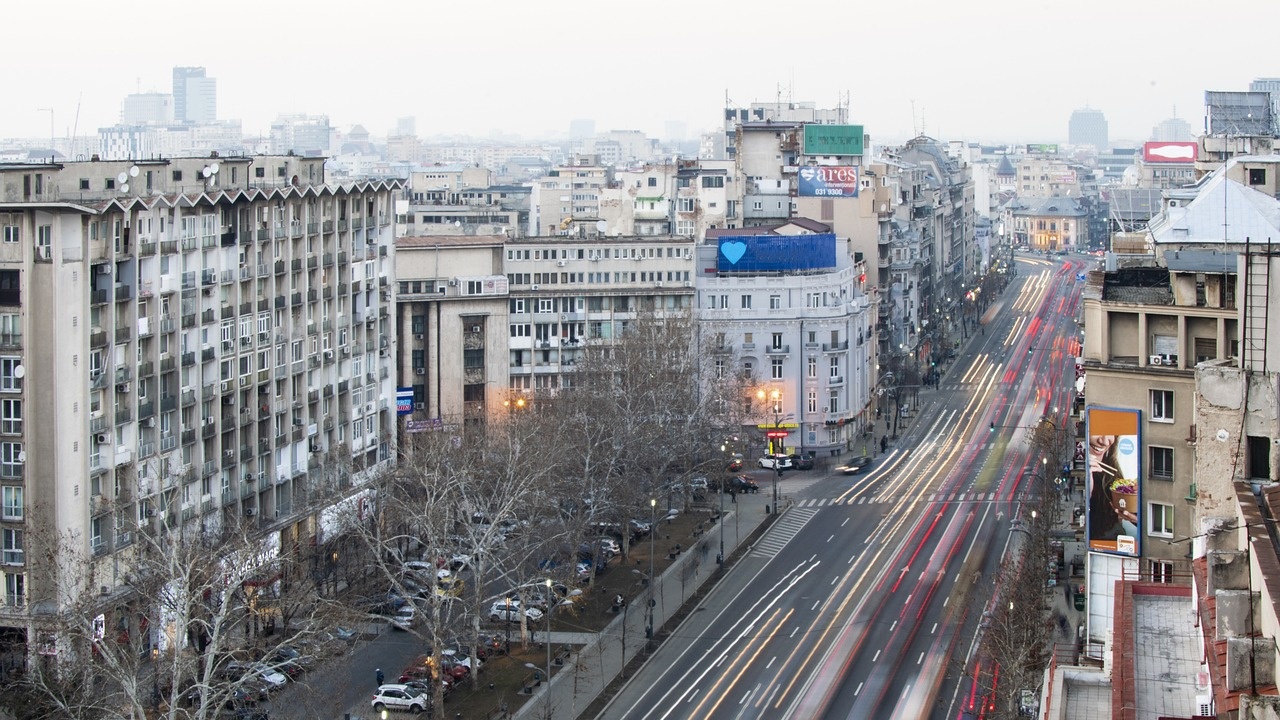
[
  {"x": 811, "y": 402},
  {"x": 10, "y": 288},
  {"x": 12, "y": 503},
  {"x": 833, "y": 402},
  {"x": 1162, "y": 405},
  {"x": 746, "y": 302},
  {"x": 775, "y": 302},
  {"x": 812, "y": 370},
  {"x": 720, "y": 369},
  {"x": 775, "y": 368},
  {"x": 12, "y": 233},
  {"x": 12, "y": 547},
  {"x": 713, "y": 181},
  {"x": 11, "y": 417},
  {"x": 11, "y": 459},
  {"x": 15, "y": 590},
  {"x": 835, "y": 367},
  {"x": 177, "y": 176},
  {"x": 9, "y": 380},
  {"x": 1257, "y": 176},
  {"x": 777, "y": 341},
  {"x": 685, "y": 205},
  {"x": 1161, "y": 463},
  {"x": 1159, "y": 520},
  {"x": 1161, "y": 571}
]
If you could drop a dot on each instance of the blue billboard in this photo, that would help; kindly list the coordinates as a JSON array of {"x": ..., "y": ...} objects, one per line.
[
  {"x": 404, "y": 400},
  {"x": 776, "y": 253}
]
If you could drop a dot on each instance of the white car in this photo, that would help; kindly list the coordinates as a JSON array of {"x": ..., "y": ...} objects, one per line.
[
  {"x": 775, "y": 462},
  {"x": 405, "y": 617},
  {"x": 509, "y": 610},
  {"x": 399, "y": 697}
]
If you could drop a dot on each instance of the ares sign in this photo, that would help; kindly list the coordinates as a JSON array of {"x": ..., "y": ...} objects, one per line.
[
  {"x": 827, "y": 181},
  {"x": 833, "y": 140}
]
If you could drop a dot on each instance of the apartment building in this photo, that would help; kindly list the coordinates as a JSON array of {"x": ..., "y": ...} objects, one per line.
[
  {"x": 1049, "y": 223},
  {"x": 452, "y": 327},
  {"x": 567, "y": 200},
  {"x": 182, "y": 341},
  {"x": 566, "y": 293},
  {"x": 684, "y": 198},
  {"x": 788, "y": 309}
]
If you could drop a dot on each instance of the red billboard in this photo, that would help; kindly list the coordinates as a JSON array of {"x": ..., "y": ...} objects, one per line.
[{"x": 1169, "y": 152}]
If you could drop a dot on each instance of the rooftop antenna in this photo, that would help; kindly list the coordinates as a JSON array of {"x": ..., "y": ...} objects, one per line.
[{"x": 915, "y": 129}]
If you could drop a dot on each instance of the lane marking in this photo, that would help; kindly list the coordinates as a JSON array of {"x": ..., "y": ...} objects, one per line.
[
  {"x": 858, "y": 690},
  {"x": 877, "y": 657},
  {"x": 770, "y": 663}
]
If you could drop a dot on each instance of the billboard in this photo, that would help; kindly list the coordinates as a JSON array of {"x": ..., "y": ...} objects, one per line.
[
  {"x": 833, "y": 139},
  {"x": 827, "y": 181},
  {"x": 404, "y": 400},
  {"x": 1042, "y": 149},
  {"x": 1169, "y": 152},
  {"x": 1113, "y": 480},
  {"x": 776, "y": 253}
]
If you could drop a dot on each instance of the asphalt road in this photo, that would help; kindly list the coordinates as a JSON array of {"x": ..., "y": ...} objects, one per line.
[{"x": 864, "y": 599}]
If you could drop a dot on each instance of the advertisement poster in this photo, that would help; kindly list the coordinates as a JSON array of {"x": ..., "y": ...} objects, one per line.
[
  {"x": 1113, "y": 480},
  {"x": 404, "y": 401},
  {"x": 776, "y": 253},
  {"x": 827, "y": 181}
]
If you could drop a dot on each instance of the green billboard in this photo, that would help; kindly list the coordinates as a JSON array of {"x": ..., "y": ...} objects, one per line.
[{"x": 833, "y": 139}]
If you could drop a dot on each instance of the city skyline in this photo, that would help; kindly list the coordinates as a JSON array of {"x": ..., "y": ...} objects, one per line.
[{"x": 977, "y": 74}]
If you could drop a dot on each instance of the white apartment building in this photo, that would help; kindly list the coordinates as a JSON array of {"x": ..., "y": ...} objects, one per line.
[
  {"x": 568, "y": 292},
  {"x": 802, "y": 335},
  {"x": 567, "y": 200},
  {"x": 181, "y": 341}
]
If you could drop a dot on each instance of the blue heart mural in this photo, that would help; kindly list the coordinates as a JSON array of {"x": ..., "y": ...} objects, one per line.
[{"x": 733, "y": 251}]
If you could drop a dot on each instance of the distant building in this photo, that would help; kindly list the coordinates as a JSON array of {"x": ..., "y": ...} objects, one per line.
[
  {"x": 195, "y": 96},
  {"x": 300, "y": 135},
  {"x": 1173, "y": 129},
  {"x": 582, "y": 129},
  {"x": 1088, "y": 127},
  {"x": 1054, "y": 223},
  {"x": 151, "y": 108}
]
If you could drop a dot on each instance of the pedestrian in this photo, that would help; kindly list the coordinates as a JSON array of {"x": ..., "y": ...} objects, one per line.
[
  {"x": 377, "y": 673},
  {"x": 884, "y": 443}
]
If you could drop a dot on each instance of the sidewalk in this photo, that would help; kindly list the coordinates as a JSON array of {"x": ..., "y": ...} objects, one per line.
[{"x": 591, "y": 668}]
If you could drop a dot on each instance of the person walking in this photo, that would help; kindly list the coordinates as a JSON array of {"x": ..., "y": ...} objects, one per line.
[
  {"x": 884, "y": 443},
  {"x": 377, "y": 673}
]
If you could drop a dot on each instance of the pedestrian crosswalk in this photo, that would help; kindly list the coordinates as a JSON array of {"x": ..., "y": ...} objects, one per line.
[
  {"x": 781, "y": 533},
  {"x": 881, "y": 499}
]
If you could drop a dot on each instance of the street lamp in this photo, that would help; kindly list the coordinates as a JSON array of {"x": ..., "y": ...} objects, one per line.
[
  {"x": 550, "y": 606},
  {"x": 653, "y": 530}
]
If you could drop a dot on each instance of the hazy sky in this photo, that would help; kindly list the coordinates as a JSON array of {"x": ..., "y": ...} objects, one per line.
[{"x": 980, "y": 70}]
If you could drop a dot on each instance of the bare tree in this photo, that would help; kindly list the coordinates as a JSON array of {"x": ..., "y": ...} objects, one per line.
[{"x": 195, "y": 600}]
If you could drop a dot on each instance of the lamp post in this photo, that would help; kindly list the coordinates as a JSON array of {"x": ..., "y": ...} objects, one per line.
[
  {"x": 776, "y": 399},
  {"x": 653, "y": 530},
  {"x": 550, "y": 606},
  {"x": 724, "y": 486}
]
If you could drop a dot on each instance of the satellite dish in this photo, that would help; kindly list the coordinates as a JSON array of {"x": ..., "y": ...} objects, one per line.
[
  {"x": 124, "y": 188},
  {"x": 1223, "y": 435},
  {"x": 601, "y": 225},
  {"x": 22, "y": 456},
  {"x": 457, "y": 223},
  {"x": 213, "y": 168},
  {"x": 206, "y": 171},
  {"x": 133, "y": 171},
  {"x": 122, "y": 178},
  {"x": 19, "y": 372}
]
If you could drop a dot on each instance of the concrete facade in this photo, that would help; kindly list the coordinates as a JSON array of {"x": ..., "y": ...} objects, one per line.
[{"x": 193, "y": 335}]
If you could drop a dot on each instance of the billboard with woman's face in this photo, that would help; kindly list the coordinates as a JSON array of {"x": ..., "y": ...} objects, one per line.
[{"x": 1113, "y": 480}]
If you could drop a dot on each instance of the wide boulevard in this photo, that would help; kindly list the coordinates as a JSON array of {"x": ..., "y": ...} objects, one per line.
[{"x": 864, "y": 599}]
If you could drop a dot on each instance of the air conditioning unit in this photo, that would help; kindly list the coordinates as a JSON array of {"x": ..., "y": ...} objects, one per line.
[
  {"x": 250, "y": 512},
  {"x": 104, "y": 269},
  {"x": 1170, "y": 360},
  {"x": 658, "y": 284},
  {"x": 314, "y": 446},
  {"x": 226, "y": 386},
  {"x": 328, "y": 354},
  {"x": 122, "y": 387},
  {"x": 228, "y": 400},
  {"x": 1204, "y": 705},
  {"x": 1153, "y": 360},
  {"x": 149, "y": 422},
  {"x": 534, "y": 287},
  {"x": 103, "y": 438},
  {"x": 419, "y": 371},
  {"x": 417, "y": 336},
  {"x": 561, "y": 263},
  {"x": 381, "y": 353},
  {"x": 297, "y": 422},
  {"x": 419, "y": 406},
  {"x": 150, "y": 512},
  {"x": 688, "y": 283},
  {"x": 453, "y": 282},
  {"x": 563, "y": 317},
  {"x": 476, "y": 328}
]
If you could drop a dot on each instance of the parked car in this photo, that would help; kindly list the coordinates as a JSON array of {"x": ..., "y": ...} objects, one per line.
[
  {"x": 399, "y": 697},
  {"x": 855, "y": 465},
  {"x": 510, "y": 610},
  {"x": 289, "y": 660},
  {"x": 735, "y": 462},
  {"x": 776, "y": 462},
  {"x": 247, "y": 673},
  {"x": 405, "y": 618},
  {"x": 639, "y": 528},
  {"x": 609, "y": 546},
  {"x": 802, "y": 462},
  {"x": 742, "y": 484}
]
